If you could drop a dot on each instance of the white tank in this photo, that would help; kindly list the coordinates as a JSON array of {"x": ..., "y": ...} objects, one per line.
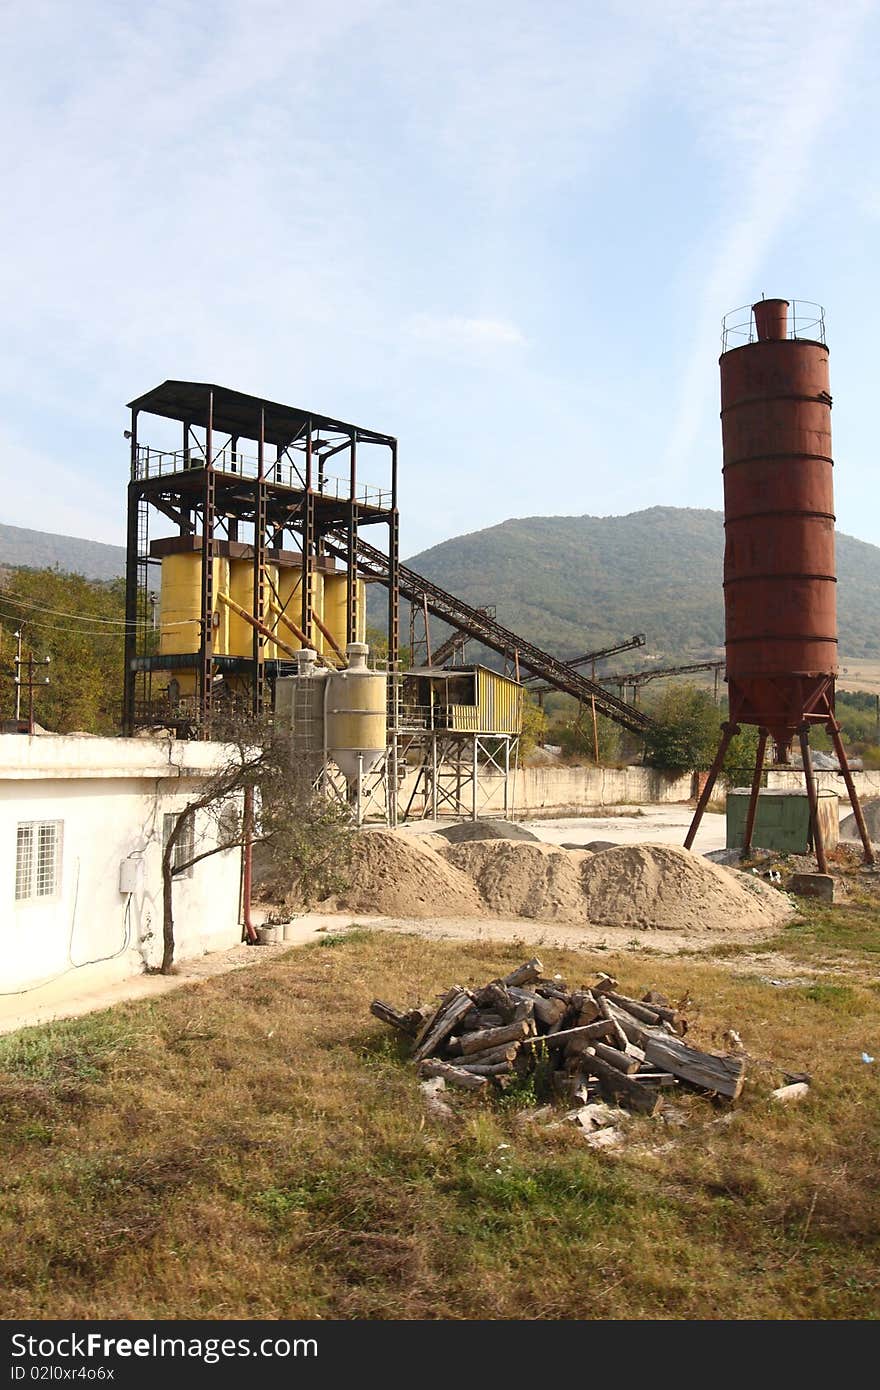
[{"x": 356, "y": 714}]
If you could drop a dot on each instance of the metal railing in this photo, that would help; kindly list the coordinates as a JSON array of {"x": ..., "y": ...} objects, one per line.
[
  {"x": 158, "y": 463},
  {"x": 805, "y": 320}
]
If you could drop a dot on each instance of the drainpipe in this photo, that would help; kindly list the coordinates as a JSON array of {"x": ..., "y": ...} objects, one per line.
[{"x": 249, "y": 927}]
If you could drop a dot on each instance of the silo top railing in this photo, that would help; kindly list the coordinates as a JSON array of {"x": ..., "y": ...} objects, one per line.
[{"x": 805, "y": 320}]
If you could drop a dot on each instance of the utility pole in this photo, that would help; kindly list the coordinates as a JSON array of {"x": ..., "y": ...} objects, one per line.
[
  {"x": 31, "y": 682},
  {"x": 17, "y": 674}
]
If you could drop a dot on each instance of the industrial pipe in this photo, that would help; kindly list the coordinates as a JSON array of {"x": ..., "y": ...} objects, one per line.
[
  {"x": 254, "y": 622},
  {"x": 249, "y": 927}
]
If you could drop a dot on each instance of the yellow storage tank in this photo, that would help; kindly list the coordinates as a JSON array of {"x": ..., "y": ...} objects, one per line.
[
  {"x": 241, "y": 591},
  {"x": 356, "y": 714},
  {"x": 336, "y": 608},
  {"x": 290, "y": 593},
  {"x": 180, "y": 604}
]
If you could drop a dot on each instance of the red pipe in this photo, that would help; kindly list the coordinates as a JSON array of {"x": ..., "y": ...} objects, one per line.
[{"x": 249, "y": 927}]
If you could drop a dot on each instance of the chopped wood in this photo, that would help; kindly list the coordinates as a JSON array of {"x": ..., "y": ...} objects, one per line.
[
  {"x": 505, "y": 1053},
  {"x": 575, "y": 1042},
  {"x": 722, "y": 1075},
  {"x": 494, "y": 1037},
  {"x": 497, "y": 997},
  {"x": 639, "y": 1097},
  {"x": 404, "y": 1022},
  {"x": 550, "y": 1012},
  {"x": 615, "y": 1058},
  {"x": 454, "y": 1007},
  {"x": 632, "y": 1006},
  {"x": 454, "y": 1076},
  {"x": 487, "y": 1068},
  {"x": 619, "y": 1034},
  {"x": 525, "y": 974}
]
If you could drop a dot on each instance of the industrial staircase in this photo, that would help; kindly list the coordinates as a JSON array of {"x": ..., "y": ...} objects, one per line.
[{"x": 373, "y": 564}]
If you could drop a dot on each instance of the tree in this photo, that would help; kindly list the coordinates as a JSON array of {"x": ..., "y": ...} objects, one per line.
[
  {"x": 80, "y": 624},
  {"x": 686, "y": 731},
  {"x": 262, "y": 791},
  {"x": 534, "y": 726}
]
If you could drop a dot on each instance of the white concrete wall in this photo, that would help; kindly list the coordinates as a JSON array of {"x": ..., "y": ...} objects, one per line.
[
  {"x": 867, "y": 784},
  {"x": 110, "y": 796},
  {"x": 558, "y": 790}
]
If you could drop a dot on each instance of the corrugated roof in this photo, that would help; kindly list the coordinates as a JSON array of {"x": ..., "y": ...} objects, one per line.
[{"x": 238, "y": 414}]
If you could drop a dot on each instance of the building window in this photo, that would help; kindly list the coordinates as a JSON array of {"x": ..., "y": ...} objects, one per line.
[
  {"x": 37, "y": 859},
  {"x": 185, "y": 845}
]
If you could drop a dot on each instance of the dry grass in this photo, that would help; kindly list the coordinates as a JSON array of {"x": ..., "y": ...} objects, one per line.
[{"x": 256, "y": 1146}]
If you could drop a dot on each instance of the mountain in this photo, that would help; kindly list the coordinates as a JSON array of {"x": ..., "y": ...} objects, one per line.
[
  {"x": 41, "y": 550},
  {"x": 576, "y": 583},
  {"x": 569, "y": 583}
]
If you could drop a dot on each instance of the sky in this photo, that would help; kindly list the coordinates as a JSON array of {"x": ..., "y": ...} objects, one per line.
[{"x": 505, "y": 231}]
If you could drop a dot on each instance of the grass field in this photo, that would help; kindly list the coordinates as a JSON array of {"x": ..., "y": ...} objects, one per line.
[{"x": 256, "y": 1146}]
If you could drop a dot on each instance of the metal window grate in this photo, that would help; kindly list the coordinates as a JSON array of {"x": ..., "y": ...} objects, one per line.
[
  {"x": 185, "y": 846},
  {"x": 37, "y": 859}
]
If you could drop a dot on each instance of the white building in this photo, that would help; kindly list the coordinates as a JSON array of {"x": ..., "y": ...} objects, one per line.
[{"x": 81, "y": 834}]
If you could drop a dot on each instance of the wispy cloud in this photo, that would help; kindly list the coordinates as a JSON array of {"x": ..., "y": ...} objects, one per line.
[{"x": 768, "y": 80}]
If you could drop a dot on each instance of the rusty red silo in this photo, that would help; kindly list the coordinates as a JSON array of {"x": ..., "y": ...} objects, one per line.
[{"x": 779, "y": 568}]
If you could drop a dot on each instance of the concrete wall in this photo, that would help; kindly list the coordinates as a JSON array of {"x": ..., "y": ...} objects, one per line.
[
  {"x": 557, "y": 790},
  {"x": 110, "y": 796},
  {"x": 867, "y": 784}
]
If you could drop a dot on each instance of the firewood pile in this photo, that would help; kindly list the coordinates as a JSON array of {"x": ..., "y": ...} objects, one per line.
[{"x": 588, "y": 1041}]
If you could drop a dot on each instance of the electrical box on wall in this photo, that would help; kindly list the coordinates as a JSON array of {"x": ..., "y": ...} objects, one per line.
[{"x": 131, "y": 874}]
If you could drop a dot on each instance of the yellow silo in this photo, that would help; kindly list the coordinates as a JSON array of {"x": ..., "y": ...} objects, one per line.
[
  {"x": 336, "y": 607},
  {"x": 241, "y": 591},
  {"x": 356, "y": 714},
  {"x": 290, "y": 594},
  {"x": 180, "y": 604}
]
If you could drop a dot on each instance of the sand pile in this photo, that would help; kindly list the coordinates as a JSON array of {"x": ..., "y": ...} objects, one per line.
[
  {"x": 466, "y": 830},
  {"x": 516, "y": 878},
  {"x": 643, "y": 887},
  {"x": 871, "y": 811},
  {"x": 403, "y": 876},
  {"x": 665, "y": 888}
]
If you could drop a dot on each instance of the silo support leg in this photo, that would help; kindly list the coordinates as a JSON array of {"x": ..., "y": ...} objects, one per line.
[
  {"x": 727, "y": 733},
  {"x": 834, "y": 731},
  {"x": 813, "y": 798},
  {"x": 756, "y": 789}
]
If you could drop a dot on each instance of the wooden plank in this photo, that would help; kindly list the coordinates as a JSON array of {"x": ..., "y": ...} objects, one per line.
[
  {"x": 707, "y": 1070},
  {"x": 620, "y": 1035},
  {"x": 566, "y": 1035}
]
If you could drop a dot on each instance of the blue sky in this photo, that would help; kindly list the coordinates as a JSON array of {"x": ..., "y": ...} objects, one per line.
[{"x": 504, "y": 231}]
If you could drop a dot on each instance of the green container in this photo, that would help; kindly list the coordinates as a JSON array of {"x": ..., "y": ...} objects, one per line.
[{"x": 782, "y": 820}]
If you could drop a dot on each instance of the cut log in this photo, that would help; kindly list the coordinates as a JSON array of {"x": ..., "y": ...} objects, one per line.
[
  {"x": 494, "y": 1037},
  {"x": 550, "y": 1012},
  {"x": 525, "y": 1009},
  {"x": 403, "y": 1022},
  {"x": 584, "y": 1006},
  {"x": 603, "y": 984},
  {"x": 628, "y": 1065},
  {"x": 619, "y": 1034},
  {"x": 723, "y": 1075},
  {"x": 488, "y": 1068},
  {"x": 453, "y": 1076},
  {"x": 566, "y": 1035},
  {"x": 453, "y": 1007},
  {"x": 646, "y": 1099},
  {"x": 489, "y": 1055},
  {"x": 497, "y": 997},
  {"x": 525, "y": 974},
  {"x": 632, "y": 1006},
  {"x": 587, "y": 1035}
]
